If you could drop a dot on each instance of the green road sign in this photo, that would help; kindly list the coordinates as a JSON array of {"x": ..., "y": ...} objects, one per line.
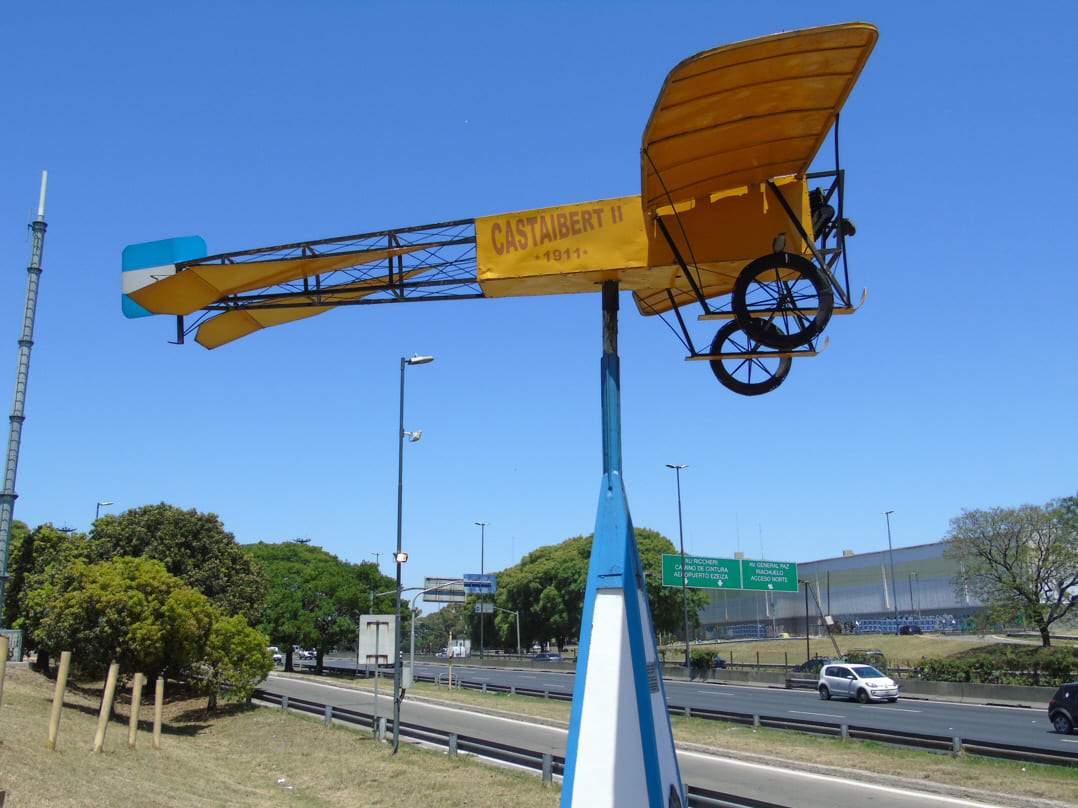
[
  {"x": 772, "y": 576},
  {"x": 731, "y": 573},
  {"x": 702, "y": 573}
]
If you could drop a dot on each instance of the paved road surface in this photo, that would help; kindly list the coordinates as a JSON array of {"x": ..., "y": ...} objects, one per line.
[{"x": 761, "y": 780}]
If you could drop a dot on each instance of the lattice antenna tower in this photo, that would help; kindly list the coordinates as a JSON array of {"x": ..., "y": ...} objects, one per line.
[{"x": 22, "y": 372}]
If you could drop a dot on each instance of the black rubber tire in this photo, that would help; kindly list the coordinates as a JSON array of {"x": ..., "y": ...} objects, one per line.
[
  {"x": 1062, "y": 724},
  {"x": 775, "y": 290},
  {"x": 825, "y": 694},
  {"x": 862, "y": 696},
  {"x": 749, "y": 377}
]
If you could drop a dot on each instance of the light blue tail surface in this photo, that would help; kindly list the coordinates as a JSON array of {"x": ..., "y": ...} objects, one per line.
[{"x": 151, "y": 261}]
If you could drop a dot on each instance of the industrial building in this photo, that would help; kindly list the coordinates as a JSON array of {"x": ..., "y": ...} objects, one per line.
[{"x": 862, "y": 594}]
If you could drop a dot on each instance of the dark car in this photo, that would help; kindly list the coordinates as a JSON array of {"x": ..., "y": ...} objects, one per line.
[
  {"x": 718, "y": 662},
  {"x": 811, "y": 666},
  {"x": 547, "y": 656},
  {"x": 911, "y": 629},
  {"x": 1063, "y": 708}
]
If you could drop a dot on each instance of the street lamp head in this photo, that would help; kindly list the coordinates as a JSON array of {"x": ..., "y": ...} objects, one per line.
[
  {"x": 414, "y": 436},
  {"x": 672, "y": 466},
  {"x": 482, "y": 524},
  {"x": 401, "y": 557},
  {"x": 419, "y": 360},
  {"x": 102, "y": 504},
  {"x": 888, "y": 513}
]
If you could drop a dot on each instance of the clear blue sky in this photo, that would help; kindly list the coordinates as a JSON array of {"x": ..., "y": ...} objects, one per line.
[{"x": 261, "y": 123}]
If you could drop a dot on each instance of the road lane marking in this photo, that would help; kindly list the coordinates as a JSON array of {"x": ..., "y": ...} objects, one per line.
[
  {"x": 920, "y": 795},
  {"x": 825, "y": 715}
]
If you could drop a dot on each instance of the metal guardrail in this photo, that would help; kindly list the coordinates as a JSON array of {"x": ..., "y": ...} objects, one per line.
[
  {"x": 545, "y": 763},
  {"x": 955, "y": 745}
]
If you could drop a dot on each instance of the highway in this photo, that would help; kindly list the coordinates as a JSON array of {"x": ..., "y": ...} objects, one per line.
[
  {"x": 765, "y": 781},
  {"x": 1022, "y": 726}
]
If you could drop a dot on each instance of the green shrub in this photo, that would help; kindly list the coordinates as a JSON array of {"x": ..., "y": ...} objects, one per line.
[
  {"x": 703, "y": 658},
  {"x": 876, "y": 660},
  {"x": 1007, "y": 664}
]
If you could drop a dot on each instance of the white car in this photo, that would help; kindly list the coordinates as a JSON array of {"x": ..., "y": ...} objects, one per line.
[{"x": 861, "y": 682}]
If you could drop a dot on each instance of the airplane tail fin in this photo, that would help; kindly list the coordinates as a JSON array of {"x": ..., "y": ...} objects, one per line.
[{"x": 150, "y": 261}]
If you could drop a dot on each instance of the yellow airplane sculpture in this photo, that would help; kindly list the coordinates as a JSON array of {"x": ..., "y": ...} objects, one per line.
[{"x": 730, "y": 218}]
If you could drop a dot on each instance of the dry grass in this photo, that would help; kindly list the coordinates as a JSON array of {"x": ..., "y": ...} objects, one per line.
[
  {"x": 240, "y": 757},
  {"x": 236, "y": 757}
]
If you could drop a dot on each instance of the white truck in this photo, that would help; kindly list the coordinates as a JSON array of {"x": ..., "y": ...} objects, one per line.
[{"x": 458, "y": 649}]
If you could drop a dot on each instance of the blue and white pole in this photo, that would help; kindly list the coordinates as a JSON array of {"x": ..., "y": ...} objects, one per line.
[{"x": 621, "y": 750}]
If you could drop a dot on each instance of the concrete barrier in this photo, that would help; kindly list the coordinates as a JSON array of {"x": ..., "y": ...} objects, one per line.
[{"x": 1011, "y": 695}]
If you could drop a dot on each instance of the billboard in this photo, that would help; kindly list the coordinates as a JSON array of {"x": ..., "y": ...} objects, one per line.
[{"x": 444, "y": 590}]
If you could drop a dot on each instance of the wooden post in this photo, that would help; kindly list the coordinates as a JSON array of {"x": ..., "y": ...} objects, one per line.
[
  {"x": 3, "y": 664},
  {"x": 158, "y": 707},
  {"x": 136, "y": 702},
  {"x": 106, "y": 706},
  {"x": 58, "y": 698}
]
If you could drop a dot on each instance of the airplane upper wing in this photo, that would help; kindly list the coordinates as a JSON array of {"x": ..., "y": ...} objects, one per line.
[
  {"x": 744, "y": 113},
  {"x": 237, "y": 293}
]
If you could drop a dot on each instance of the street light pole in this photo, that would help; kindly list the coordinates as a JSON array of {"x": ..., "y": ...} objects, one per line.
[
  {"x": 808, "y": 645},
  {"x": 482, "y": 571},
  {"x": 891, "y": 552},
  {"x": 411, "y": 651},
  {"x": 684, "y": 585},
  {"x": 400, "y": 556},
  {"x": 97, "y": 515},
  {"x": 914, "y": 574},
  {"x": 517, "y": 615}
]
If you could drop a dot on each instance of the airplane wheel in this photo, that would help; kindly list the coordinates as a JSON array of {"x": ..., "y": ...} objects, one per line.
[
  {"x": 749, "y": 376},
  {"x": 782, "y": 300}
]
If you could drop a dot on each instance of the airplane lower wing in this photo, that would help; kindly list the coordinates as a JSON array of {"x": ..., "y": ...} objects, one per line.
[{"x": 235, "y": 294}]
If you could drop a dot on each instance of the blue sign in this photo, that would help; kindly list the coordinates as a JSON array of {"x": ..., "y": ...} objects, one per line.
[{"x": 476, "y": 584}]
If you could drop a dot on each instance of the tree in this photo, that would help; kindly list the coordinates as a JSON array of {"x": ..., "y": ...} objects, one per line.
[
  {"x": 18, "y": 558},
  {"x": 1021, "y": 563},
  {"x": 433, "y": 631},
  {"x": 666, "y": 602},
  {"x": 314, "y": 598},
  {"x": 547, "y": 587},
  {"x": 128, "y": 610},
  {"x": 235, "y": 661},
  {"x": 193, "y": 546},
  {"x": 35, "y": 556}
]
